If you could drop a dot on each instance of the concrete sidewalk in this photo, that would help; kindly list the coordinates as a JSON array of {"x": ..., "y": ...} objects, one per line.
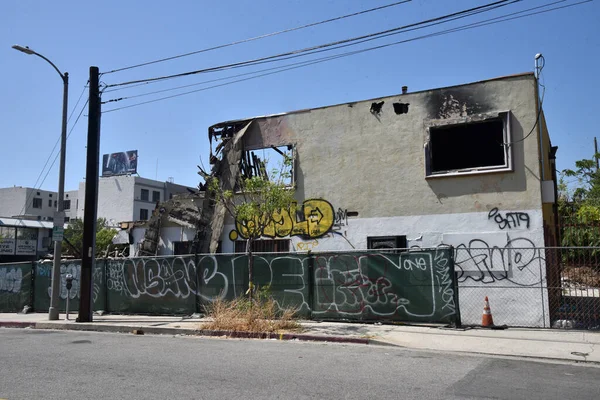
[{"x": 566, "y": 345}]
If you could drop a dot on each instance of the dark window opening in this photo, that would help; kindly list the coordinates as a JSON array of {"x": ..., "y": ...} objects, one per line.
[
  {"x": 464, "y": 146},
  {"x": 155, "y": 196},
  {"x": 143, "y": 214},
  {"x": 67, "y": 205},
  {"x": 55, "y": 203},
  {"x": 264, "y": 246},
  {"x": 50, "y": 194},
  {"x": 391, "y": 244},
  {"x": 49, "y": 203},
  {"x": 145, "y": 195},
  {"x": 67, "y": 219},
  {"x": 37, "y": 202},
  {"x": 182, "y": 248}
]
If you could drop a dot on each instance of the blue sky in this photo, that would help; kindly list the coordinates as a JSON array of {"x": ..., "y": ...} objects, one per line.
[{"x": 173, "y": 133}]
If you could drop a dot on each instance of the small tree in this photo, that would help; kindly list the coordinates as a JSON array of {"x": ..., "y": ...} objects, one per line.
[
  {"x": 256, "y": 202},
  {"x": 74, "y": 237},
  {"x": 579, "y": 208}
]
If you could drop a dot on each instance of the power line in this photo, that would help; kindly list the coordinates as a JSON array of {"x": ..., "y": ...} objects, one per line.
[
  {"x": 55, "y": 158},
  {"x": 260, "y": 37},
  {"x": 463, "y": 13},
  {"x": 301, "y": 63},
  {"x": 283, "y": 66},
  {"x": 491, "y": 21},
  {"x": 25, "y": 205}
]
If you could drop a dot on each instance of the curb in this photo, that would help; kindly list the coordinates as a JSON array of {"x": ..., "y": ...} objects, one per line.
[
  {"x": 153, "y": 330},
  {"x": 17, "y": 324}
]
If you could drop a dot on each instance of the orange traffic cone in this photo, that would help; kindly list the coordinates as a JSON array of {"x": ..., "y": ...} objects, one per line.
[{"x": 486, "y": 319}]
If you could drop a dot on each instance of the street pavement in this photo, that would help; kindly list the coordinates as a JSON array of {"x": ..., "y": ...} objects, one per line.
[
  {"x": 555, "y": 344},
  {"x": 52, "y": 364}
]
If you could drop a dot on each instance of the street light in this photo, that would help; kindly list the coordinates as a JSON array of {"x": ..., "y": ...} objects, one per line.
[{"x": 58, "y": 218}]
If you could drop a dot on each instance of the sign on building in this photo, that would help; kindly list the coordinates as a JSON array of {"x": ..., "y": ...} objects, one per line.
[
  {"x": 7, "y": 240},
  {"x": 26, "y": 241},
  {"x": 119, "y": 163}
]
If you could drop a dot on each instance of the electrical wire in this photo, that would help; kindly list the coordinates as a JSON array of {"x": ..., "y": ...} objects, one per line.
[
  {"x": 539, "y": 113},
  {"x": 26, "y": 204},
  {"x": 479, "y": 24},
  {"x": 462, "y": 14},
  {"x": 283, "y": 66},
  {"x": 69, "y": 134},
  {"x": 301, "y": 63},
  {"x": 259, "y": 37}
]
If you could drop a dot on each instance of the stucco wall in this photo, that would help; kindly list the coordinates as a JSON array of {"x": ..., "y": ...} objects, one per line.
[
  {"x": 168, "y": 235},
  {"x": 115, "y": 198},
  {"x": 375, "y": 164},
  {"x": 12, "y": 202}
]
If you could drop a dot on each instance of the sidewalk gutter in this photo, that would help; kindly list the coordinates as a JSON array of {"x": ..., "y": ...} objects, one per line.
[{"x": 154, "y": 330}]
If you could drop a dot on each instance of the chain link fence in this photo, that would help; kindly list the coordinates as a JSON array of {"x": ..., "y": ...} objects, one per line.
[{"x": 530, "y": 287}]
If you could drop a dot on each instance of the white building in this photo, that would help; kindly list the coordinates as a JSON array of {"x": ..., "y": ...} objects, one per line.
[
  {"x": 120, "y": 198},
  {"x": 128, "y": 198},
  {"x": 28, "y": 203}
]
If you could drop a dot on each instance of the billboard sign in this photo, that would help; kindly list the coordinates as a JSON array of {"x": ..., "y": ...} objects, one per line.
[{"x": 122, "y": 163}]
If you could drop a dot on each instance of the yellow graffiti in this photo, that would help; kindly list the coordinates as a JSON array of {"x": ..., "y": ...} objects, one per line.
[
  {"x": 305, "y": 246},
  {"x": 314, "y": 219}
]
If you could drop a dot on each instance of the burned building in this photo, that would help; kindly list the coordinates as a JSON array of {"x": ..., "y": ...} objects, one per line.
[{"x": 469, "y": 166}]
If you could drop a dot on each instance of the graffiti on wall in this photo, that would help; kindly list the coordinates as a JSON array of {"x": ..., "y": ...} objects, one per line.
[
  {"x": 415, "y": 284},
  {"x": 312, "y": 220},
  {"x": 152, "y": 277},
  {"x": 519, "y": 262},
  {"x": 73, "y": 268},
  {"x": 510, "y": 220},
  {"x": 11, "y": 280}
]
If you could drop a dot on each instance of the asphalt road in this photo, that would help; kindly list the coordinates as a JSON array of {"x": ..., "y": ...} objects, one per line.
[{"x": 73, "y": 365}]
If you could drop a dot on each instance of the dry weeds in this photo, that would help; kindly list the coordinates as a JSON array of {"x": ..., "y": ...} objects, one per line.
[
  {"x": 585, "y": 276},
  {"x": 242, "y": 315}
]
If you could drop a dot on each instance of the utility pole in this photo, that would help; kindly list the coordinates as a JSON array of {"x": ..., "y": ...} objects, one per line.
[
  {"x": 91, "y": 199},
  {"x": 596, "y": 152},
  {"x": 59, "y": 216}
]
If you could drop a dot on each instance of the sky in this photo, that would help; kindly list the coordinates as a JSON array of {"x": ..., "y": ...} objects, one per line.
[{"x": 171, "y": 135}]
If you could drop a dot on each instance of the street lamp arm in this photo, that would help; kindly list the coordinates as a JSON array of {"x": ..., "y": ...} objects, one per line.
[{"x": 51, "y": 63}]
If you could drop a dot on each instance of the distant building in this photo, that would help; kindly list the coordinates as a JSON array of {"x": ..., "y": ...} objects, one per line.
[
  {"x": 28, "y": 203},
  {"x": 129, "y": 198},
  {"x": 120, "y": 198},
  {"x": 24, "y": 240}
]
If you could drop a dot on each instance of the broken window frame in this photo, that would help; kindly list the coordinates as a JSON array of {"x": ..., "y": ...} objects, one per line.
[
  {"x": 290, "y": 147},
  {"x": 508, "y": 166}
]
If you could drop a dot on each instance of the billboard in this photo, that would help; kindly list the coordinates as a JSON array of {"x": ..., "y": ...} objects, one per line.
[{"x": 119, "y": 163}]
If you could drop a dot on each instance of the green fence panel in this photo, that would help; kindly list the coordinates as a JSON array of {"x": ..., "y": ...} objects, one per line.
[
  {"x": 287, "y": 279},
  {"x": 43, "y": 285},
  {"x": 414, "y": 286},
  {"x": 15, "y": 286},
  {"x": 151, "y": 285}
]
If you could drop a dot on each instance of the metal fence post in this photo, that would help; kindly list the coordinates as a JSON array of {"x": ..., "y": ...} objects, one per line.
[
  {"x": 457, "y": 320},
  {"x": 311, "y": 283}
]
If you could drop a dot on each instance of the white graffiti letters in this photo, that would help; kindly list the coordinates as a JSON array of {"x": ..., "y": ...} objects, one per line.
[{"x": 11, "y": 280}]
